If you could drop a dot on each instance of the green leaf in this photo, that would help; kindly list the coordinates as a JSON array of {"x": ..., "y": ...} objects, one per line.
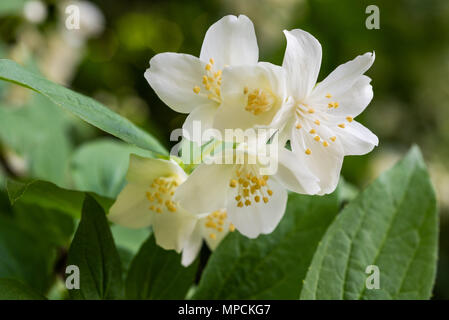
[
  {"x": 271, "y": 266},
  {"x": 11, "y": 7},
  {"x": 346, "y": 190},
  {"x": 39, "y": 131},
  {"x": 94, "y": 252},
  {"x": 129, "y": 239},
  {"x": 14, "y": 290},
  {"x": 393, "y": 224},
  {"x": 100, "y": 166},
  {"x": 156, "y": 273},
  {"x": 86, "y": 108},
  {"x": 2, "y": 179},
  {"x": 50, "y": 196},
  {"x": 128, "y": 242},
  {"x": 24, "y": 257},
  {"x": 45, "y": 224}
]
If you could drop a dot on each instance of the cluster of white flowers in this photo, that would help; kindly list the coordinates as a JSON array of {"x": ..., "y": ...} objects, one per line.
[{"x": 227, "y": 88}]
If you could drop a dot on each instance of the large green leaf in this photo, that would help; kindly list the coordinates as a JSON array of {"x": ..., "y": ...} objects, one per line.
[
  {"x": 11, "y": 7},
  {"x": 156, "y": 273},
  {"x": 49, "y": 196},
  {"x": 94, "y": 252},
  {"x": 100, "y": 166},
  {"x": 25, "y": 257},
  {"x": 271, "y": 266},
  {"x": 46, "y": 195},
  {"x": 39, "y": 132},
  {"x": 14, "y": 290},
  {"x": 393, "y": 224},
  {"x": 2, "y": 179},
  {"x": 45, "y": 224},
  {"x": 86, "y": 108}
]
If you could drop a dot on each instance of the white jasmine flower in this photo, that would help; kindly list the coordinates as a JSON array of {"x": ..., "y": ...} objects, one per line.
[
  {"x": 147, "y": 200},
  {"x": 254, "y": 202},
  {"x": 320, "y": 123},
  {"x": 188, "y": 84}
]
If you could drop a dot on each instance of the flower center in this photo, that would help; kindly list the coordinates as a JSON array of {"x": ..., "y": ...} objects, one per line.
[
  {"x": 259, "y": 101},
  {"x": 249, "y": 186},
  {"x": 211, "y": 83},
  {"x": 309, "y": 119},
  {"x": 216, "y": 221},
  {"x": 161, "y": 193}
]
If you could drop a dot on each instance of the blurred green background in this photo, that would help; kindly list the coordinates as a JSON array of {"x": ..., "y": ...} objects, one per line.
[{"x": 107, "y": 57}]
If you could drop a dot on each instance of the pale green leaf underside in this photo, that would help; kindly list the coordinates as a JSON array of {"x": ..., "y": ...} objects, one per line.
[
  {"x": 84, "y": 107},
  {"x": 100, "y": 166},
  {"x": 392, "y": 224}
]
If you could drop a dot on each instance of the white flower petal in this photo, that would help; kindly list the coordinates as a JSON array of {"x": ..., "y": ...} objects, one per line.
[
  {"x": 353, "y": 101},
  {"x": 192, "y": 247},
  {"x": 344, "y": 77},
  {"x": 173, "y": 229},
  {"x": 231, "y": 41},
  {"x": 173, "y": 77},
  {"x": 238, "y": 80},
  {"x": 144, "y": 170},
  {"x": 284, "y": 115},
  {"x": 357, "y": 139},
  {"x": 258, "y": 218},
  {"x": 323, "y": 162},
  {"x": 302, "y": 62},
  {"x": 131, "y": 209},
  {"x": 295, "y": 177},
  {"x": 205, "y": 189},
  {"x": 203, "y": 117}
]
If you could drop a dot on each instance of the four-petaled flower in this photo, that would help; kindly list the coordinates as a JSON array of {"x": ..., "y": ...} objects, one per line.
[{"x": 147, "y": 200}]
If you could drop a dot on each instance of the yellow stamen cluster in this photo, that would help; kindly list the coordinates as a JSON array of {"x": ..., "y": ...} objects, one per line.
[
  {"x": 211, "y": 82},
  {"x": 312, "y": 120},
  {"x": 251, "y": 187},
  {"x": 161, "y": 194},
  {"x": 216, "y": 221},
  {"x": 259, "y": 101}
]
